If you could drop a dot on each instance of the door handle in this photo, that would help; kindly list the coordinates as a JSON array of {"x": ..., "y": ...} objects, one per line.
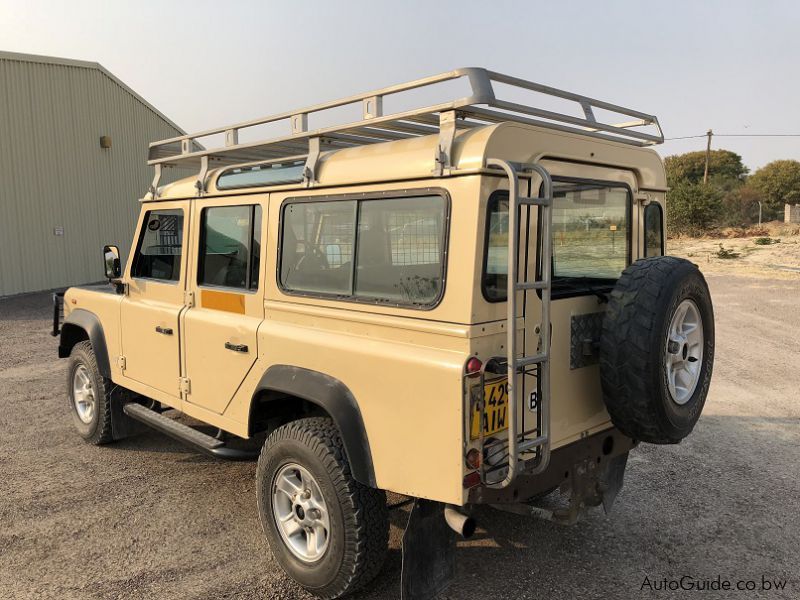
[
  {"x": 236, "y": 347},
  {"x": 164, "y": 330}
]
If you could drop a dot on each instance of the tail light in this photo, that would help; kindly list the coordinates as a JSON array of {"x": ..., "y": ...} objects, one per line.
[
  {"x": 473, "y": 367},
  {"x": 473, "y": 459}
]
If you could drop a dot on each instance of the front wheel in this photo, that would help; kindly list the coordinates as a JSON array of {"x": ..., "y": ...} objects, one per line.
[
  {"x": 328, "y": 532},
  {"x": 89, "y": 401}
]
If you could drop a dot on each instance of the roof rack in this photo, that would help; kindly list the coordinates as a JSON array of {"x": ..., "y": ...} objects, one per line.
[{"x": 480, "y": 107}]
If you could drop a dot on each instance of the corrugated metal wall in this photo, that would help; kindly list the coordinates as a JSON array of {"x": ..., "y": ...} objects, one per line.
[{"x": 54, "y": 176}]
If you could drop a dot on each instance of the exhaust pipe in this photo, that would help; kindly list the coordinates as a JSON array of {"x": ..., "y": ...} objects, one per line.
[{"x": 459, "y": 522}]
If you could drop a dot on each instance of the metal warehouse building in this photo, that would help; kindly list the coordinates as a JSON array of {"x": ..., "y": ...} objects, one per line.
[{"x": 73, "y": 152}]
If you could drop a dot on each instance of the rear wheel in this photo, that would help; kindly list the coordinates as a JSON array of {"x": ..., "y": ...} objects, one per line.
[
  {"x": 657, "y": 349},
  {"x": 328, "y": 532},
  {"x": 89, "y": 401}
]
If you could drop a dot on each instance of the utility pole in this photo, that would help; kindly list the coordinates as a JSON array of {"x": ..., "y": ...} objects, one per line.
[{"x": 709, "y": 133}]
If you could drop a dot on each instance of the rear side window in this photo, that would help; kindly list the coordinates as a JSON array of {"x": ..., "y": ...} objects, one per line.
[
  {"x": 158, "y": 253},
  {"x": 653, "y": 230},
  {"x": 230, "y": 246},
  {"x": 495, "y": 267},
  {"x": 387, "y": 250}
]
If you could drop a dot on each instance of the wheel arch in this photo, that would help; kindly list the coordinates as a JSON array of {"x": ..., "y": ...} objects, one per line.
[
  {"x": 83, "y": 325},
  {"x": 282, "y": 383}
]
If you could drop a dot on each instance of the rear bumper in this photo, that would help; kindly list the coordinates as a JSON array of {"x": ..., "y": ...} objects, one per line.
[{"x": 575, "y": 460}]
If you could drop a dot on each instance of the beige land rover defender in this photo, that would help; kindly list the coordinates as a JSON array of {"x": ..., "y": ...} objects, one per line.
[{"x": 465, "y": 302}]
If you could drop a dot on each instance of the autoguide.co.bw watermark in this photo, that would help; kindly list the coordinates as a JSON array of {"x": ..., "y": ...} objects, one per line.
[{"x": 689, "y": 583}]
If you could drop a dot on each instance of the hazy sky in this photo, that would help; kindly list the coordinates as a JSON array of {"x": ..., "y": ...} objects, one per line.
[{"x": 732, "y": 66}]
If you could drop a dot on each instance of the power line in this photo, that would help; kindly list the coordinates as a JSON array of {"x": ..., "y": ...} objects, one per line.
[
  {"x": 689, "y": 137},
  {"x": 685, "y": 137},
  {"x": 757, "y": 134}
]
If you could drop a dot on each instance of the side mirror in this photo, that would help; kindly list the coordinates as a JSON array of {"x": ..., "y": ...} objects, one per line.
[{"x": 113, "y": 267}]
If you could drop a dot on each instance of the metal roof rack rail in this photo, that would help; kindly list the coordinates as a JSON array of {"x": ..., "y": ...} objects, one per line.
[{"x": 480, "y": 107}]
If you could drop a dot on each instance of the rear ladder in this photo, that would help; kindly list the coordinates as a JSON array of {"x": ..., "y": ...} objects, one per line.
[{"x": 522, "y": 440}]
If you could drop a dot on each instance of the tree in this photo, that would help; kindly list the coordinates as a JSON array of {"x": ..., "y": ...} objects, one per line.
[
  {"x": 724, "y": 165},
  {"x": 739, "y": 207},
  {"x": 779, "y": 183},
  {"x": 692, "y": 207}
]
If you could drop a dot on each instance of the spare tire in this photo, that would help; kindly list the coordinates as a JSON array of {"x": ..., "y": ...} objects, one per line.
[{"x": 657, "y": 349}]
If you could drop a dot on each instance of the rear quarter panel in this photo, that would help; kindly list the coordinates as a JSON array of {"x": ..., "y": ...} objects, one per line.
[{"x": 403, "y": 366}]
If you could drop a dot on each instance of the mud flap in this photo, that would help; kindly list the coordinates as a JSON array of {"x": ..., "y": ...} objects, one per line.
[
  {"x": 612, "y": 482},
  {"x": 122, "y": 425},
  {"x": 428, "y": 552}
]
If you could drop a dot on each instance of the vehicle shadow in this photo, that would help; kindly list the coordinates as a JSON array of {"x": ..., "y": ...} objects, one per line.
[{"x": 727, "y": 492}]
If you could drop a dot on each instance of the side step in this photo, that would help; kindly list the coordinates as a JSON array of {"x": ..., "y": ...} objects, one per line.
[{"x": 183, "y": 433}]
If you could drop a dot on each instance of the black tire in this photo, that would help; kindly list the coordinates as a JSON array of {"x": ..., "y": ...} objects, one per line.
[
  {"x": 359, "y": 520},
  {"x": 633, "y": 349},
  {"x": 98, "y": 430}
]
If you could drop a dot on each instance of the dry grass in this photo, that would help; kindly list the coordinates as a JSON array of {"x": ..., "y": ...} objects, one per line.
[{"x": 777, "y": 260}]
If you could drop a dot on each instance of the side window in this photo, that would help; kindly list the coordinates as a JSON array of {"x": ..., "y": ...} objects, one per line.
[
  {"x": 230, "y": 246},
  {"x": 317, "y": 246},
  {"x": 400, "y": 249},
  {"x": 158, "y": 253},
  {"x": 495, "y": 267},
  {"x": 653, "y": 230},
  {"x": 384, "y": 250}
]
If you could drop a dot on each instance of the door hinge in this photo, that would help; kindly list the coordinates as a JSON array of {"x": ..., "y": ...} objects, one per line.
[
  {"x": 185, "y": 385},
  {"x": 188, "y": 299},
  {"x": 121, "y": 362}
]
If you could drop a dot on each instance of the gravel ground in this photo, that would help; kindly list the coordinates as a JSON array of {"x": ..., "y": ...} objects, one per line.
[{"x": 145, "y": 518}]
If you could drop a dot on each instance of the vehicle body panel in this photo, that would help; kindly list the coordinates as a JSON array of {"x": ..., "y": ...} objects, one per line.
[
  {"x": 150, "y": 307},
  {"x": 219, "y": 316}
]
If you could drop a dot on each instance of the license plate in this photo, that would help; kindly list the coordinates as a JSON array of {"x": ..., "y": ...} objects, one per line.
[{"x": 495, "y": 416}]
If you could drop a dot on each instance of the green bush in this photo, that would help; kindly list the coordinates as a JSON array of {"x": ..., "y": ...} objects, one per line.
[
  {"x": 724, "y": 252},
  {"x": 766, "y": 241},
  {"x": 692, "y": 208}
]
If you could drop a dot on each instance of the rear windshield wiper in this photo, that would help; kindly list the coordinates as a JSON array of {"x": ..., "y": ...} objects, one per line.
[{"x": 594, "y": 285}]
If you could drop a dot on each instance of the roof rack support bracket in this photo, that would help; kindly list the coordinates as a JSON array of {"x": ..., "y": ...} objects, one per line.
[
  {"x": 200, "y": 184},
  {"x": 372, "y": 107},
  {"x": 156, "y": 180},
  {"x": 587, "y": 110},
  {"x": 299, "y": 123},
  {"x": 444, "y": 150},
  {"x": 312, "y": 162}
]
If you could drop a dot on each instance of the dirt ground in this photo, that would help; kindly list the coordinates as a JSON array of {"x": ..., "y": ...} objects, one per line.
[
  {"x": 145, "y": 518},
  {"x": 779, "y": 258}
]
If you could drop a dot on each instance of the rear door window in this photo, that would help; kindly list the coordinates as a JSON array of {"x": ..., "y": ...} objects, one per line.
[
  {"x": 230, "y": 246},
  {"x": 591, "y": 238},
  {"x": 590, "y": 231}
]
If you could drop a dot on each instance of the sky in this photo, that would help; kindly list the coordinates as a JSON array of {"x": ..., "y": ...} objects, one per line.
[{"x": 731, "y": 66}]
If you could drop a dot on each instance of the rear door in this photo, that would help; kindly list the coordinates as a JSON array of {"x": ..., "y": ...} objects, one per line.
[
  {"x": 219, "y": 332},
  {"x": 594, "y": 238}
]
